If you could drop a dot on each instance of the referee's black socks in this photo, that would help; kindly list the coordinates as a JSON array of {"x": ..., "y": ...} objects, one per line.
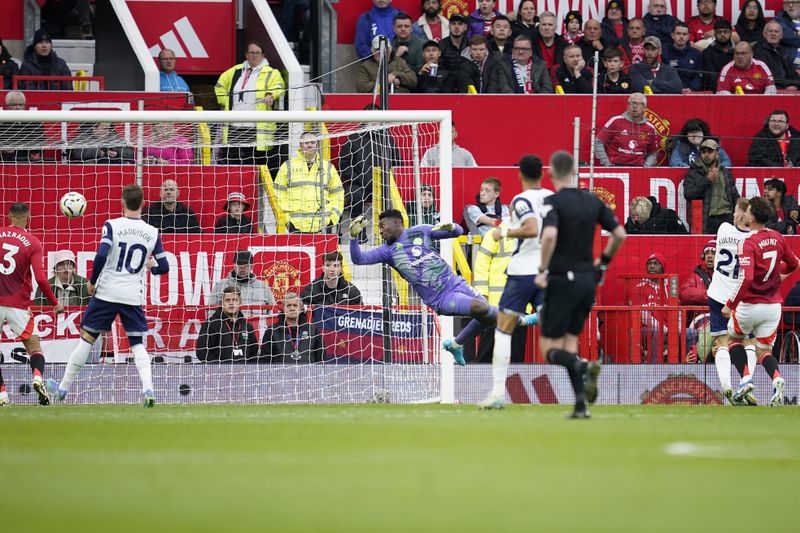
[{"x": 575, "y": 368}]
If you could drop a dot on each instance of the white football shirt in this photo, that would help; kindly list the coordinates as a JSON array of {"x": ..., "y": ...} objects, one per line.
[
  {"x": 132, "y": 242},
  {"x": 528, "y": 256},
  {"x": 726, "y": 262}
]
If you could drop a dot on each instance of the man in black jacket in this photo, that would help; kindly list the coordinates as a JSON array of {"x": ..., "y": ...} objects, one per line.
[
  {"x": 785, "y": 212},
  {"x": 718, "y": 54},
  {"x": 455, "y": 43},
  {"x": 169, "y": 215},
  {"x": 572, "y": 75},
  {"x": 227, "y": 337},
  {"x": 13, "y": 134},
  {"x": 41, "y": 60},
  {"x": 709, "y": 181},
  {"x": 649, "y": 218},
  {"x": 775, "y": 56},
  {"x": 330, "y": 288},
  {"x": 292, "y": 339},
  {"x": 477, "y": 70},
  {"x": 432, "y": 77},
  {"x": 777, "y": 144}
]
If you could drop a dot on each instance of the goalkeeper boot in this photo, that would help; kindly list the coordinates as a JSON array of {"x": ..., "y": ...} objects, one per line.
[
  {"x": 4, "y": 399},
  {"x": 590, "y": 376},
  {"x": 41, "y": 392},
  {"x": 777, "y": 392},
  {"x": 55, "y": 392},
  {"x": 457, "y": 351},
  {"x": 530, "y": 320},
  {"x": 745, "y": 392},
  {"x": 148, "y": 399},
  {"x": 492, "y": 402}
]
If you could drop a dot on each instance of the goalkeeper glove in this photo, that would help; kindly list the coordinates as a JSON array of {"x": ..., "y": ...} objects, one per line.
[
  {"x": 357, "y": 225},
  {"x": 444, "y": 226}
]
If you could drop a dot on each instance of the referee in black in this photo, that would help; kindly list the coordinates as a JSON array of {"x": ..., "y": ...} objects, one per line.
[{"x": 569, "y": 274}]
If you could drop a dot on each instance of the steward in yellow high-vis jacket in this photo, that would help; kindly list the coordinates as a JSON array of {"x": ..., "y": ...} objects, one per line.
[
  {"x": 489, "y": 268},
  {"x": 249, "y": 86},
  {"x": 309, "y": 192}
]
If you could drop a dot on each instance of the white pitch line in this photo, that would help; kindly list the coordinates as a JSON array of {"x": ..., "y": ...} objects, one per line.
[{"x": 731, "y": 450}]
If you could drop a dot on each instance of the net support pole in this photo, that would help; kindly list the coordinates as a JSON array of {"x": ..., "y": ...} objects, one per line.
[
  {"x": 446, "y": 211},
  {"x": 594, "y": 121},
  {"x": 576, "y": 141},
  {"x": 140, "y": 148},
  {"x": 386, "y": 199},
  {"x": 418, "y": 208}
]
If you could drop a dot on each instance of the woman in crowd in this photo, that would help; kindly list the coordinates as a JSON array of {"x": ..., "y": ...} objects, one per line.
[
  {"x": 687, "y": 145},
  {"x": 750, "y": 25},
  {"x": 526, "y": 21},
  {"x": 168, "y": 146}
]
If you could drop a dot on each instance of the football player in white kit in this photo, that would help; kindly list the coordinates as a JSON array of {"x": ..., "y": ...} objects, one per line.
[
  {"x": 723, "y": 283},
  {"x": 128, "y": 246},
  {"x": 520, "y": 290}
]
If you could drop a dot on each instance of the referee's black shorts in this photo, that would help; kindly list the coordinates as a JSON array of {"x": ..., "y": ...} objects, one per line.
[{"x": 567, "y": 302}]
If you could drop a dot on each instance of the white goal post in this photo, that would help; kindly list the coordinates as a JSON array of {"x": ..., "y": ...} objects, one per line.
[{"x": 122, "y": 151}]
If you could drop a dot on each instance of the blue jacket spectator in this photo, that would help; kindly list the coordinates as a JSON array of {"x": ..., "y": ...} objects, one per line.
[
  {"x": 790, "y": 39},
  {"x": 477, "y": 24},
  {"x": 687, "y": 61},
  {"x": 659, "y": 26},
  {"x": 170, "y": 81},
  {"x": 686, "y": 145},
  {"x": 379, "y": 20}
]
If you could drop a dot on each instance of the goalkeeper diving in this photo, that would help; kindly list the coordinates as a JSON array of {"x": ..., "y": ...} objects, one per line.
[{"x": 410, "y": 253}]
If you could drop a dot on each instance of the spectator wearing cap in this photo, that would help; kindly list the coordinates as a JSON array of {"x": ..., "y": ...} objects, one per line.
[
  {"x": 651, "y": 292},
  {"x": 693, "y": 287},
  {"x": 785, "y": 211},
  {"x": 775, "y": 56},
  {"x": 8, "y": 67},
  {"x": 652, "y": 73},
  {"x": 309, "y": 190},
  {"x": 526, "y": 20},
  {"x": 330, "y": 288},
  {"x": 455, "y": 43},
  {"x": 234, "y": 220},
  {"x": 614, "y": 23},
  {"x": 571, "y": 29},
  {"x": 461, "y": 156},
  {"x": 169, "y": 215},
  {"x": 406, "y": 44},
  {"x": 170, "y": 80},
  {"x": 401, "y": 78},
  {"x": 253, "y": 290},
  {"x": 432, "y": 78},
  {"x": 480, "y": 20},
  {"x": 701, "y": 26},
  {"x": 168, "y": 147},
  {"x": 745, "y": 74},
  {"x": 777, "y": 144},
  {"x": 431, "y": 24},
  {"x": 69, "y": 287},
  {"x": 15, "y": 133},
  {"x": 377, "y": 21},
  {"x": 686, "y": 60},
  {"x": 658, "y": 22},
  {"x": 42, "y": 60},
  {"x": 708, "y": 180},
  {"x": 717, "y": 54},
  {"x": 227, "y": 336}
]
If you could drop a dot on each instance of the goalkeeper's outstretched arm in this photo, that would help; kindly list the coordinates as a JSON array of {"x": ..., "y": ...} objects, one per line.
[
  {"x": 370, "y": 257},
  {"x": 446, "y": 230}
]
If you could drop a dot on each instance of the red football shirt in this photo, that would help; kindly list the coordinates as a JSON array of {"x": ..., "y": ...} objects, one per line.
[
  {"x": 19, "y": 252},
  {"x": 628, "y": 143},
  {"x": 760, "y": 258},
  {"x": 754, "y": 80}
]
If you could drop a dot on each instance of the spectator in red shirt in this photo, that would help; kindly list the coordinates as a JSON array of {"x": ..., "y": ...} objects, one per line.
[
  {"x": 693, "y": 289},
  {"x": 628, "y": 140},
  {"x": 651, "y": 291},
  {"x": 750, "y": 75},
  {"x": 701, "y": 27}
]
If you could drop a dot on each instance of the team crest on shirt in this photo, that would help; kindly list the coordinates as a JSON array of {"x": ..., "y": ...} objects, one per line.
[
  {"x": 417, "y": 241},
  {"x": 757, "y": 76},
  {"x": 416, "y": 251}
]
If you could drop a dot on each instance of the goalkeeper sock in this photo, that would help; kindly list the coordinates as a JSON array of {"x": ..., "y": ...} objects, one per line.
[
  {"x": 37, "y": 363},
  {"x": 722, "y": 360},
  {"x": 500, "y": 360},
  {"x": 469, "y": 332},
  {"x": 77, "y": 359},
  {"x": 770, "y": 364},
  {"x": 752, "y": 359},
  {"x": 142, "y": 360}
]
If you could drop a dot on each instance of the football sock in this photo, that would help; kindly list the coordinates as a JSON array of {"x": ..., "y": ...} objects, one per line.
[
  {"x": 500, "y": 360},
  {"x": 738, "y": 358},
  {"x": 37, "y": 363},
  {"x": 574, "y": 367},
  {"x": 2, "y": 383},
  {"x": 752, "y": 359},
  {"x": 770, "y": 364},
  {"x": 722, "y": 360},
  {"x": 142, "y": 360},
  {"x": 470, "y": 331},
  {"x": 77, "y": 359}
]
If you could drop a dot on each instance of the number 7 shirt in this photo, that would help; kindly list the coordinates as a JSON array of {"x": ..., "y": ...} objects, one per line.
[{"x": 760, "y": 277}]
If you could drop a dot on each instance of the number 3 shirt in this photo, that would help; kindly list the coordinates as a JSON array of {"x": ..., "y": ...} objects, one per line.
[
  {"x": 19, "y": 252},
  {"x": 129, "y": 243},
  {"x": 760, "y": 258},
  {"x": 726, "y": 262}
]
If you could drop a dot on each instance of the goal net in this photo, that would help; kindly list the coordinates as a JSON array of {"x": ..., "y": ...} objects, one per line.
[{"x": 262, "y": 207}]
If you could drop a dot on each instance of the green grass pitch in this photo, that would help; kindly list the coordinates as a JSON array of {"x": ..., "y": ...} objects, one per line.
[{"x": 377, "y": 468}]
